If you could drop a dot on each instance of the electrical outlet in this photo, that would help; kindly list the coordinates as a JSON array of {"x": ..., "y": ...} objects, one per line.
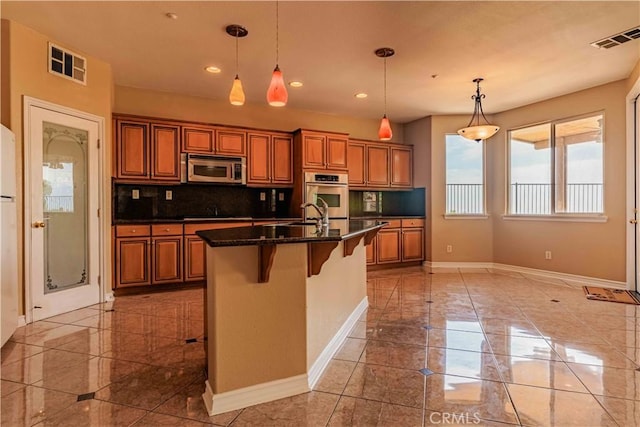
[
  {"x": 547, "y": 254},
  {"x": 168, "y": 195},
  {"x": 135, "y": 194},
  {"x": 449, "y": 249},
  {"x": 263, "y": 196},
  {"x": 281, "y": 197}
]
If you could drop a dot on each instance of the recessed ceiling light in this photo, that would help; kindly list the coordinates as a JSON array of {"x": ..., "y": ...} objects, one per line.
[
  {"x": 171, "y": 15},
  {"x": 213, "y": 69},
  {"x": 295, "y": 83},
  {"x": 361, "y": 95}
]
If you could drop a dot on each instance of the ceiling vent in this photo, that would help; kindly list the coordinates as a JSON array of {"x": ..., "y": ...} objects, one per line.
[
  {"x": 618, "y": 39},
  {"x": 64, "y": 63}
]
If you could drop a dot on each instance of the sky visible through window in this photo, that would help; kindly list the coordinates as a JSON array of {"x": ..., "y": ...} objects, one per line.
[{"x": 464, "y": 160}]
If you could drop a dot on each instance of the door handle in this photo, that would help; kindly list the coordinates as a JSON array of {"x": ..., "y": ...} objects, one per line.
[
  {"x": 633, "y": 221},
  {"x": 39, "y": 224}
]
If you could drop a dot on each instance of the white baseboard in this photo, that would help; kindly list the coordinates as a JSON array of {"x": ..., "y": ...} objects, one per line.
[
  {"x": 536, "y": 274},
  {"x": 108, "y": 296},
  {"x": 253, "y": 395},
  {"x": 318, "y": 367},
  {"x": 458, "y": 264},
  {"x": 22, "y": 320}
]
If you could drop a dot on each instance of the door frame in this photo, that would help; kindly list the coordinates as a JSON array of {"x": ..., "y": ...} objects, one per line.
[
  {"x": 103, "y": 254},
  {"x": 633, "y": 186}
]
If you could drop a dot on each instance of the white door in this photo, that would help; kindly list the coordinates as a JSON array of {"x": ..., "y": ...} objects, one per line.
[{"x": 61, "y": 221}]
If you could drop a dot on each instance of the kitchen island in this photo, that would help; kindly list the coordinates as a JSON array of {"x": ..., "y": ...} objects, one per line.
[{"x": 280, "y": 301}]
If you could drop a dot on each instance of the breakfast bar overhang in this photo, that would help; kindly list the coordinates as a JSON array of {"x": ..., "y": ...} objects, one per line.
[{"x": 280, "y": 300}]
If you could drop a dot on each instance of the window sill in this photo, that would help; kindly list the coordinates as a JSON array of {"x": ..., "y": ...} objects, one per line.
[
  {"x": 557, "y": 217},
  {"x": 466, "y": 216}
]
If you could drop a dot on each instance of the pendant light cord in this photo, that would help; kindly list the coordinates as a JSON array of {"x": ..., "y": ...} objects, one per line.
[
  {"x": 277, "y": 33},
  {"x": 385, "y": 86},
  {"x": 236, "y": 55}
]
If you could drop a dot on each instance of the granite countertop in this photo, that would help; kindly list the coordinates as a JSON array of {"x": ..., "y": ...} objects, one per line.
[
  {"x": 195, "y": 219},
  {"x": 339, "y": 229},
  {"x": 379, "y": 217}
]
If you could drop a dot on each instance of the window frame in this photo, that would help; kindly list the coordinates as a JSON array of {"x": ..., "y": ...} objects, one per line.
[
  {"x": 484, "y": 214},
  {"x": 555, "y": 215}
]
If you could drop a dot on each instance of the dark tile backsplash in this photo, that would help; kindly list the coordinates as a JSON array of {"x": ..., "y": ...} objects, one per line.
[
  {"x": 192, "y": 200},
  {"x": 390, "y": 203}
]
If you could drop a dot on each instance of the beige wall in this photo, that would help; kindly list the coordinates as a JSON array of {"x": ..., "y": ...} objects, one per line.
[
  {"x": 24, "y": 73},
  {"x": 588, "y": 249},
  {"x": 332, "y": 296},
  {"x": 418, "y": 133},
  {"x": 173, "y": 106},
  {"x": 633, "y": 77},
  {"x": 471, "y": 239},
  {"x": 256, "y": 317}
]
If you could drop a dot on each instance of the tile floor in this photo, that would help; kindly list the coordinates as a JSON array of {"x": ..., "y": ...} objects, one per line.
[{"x": 451, "y": 347}]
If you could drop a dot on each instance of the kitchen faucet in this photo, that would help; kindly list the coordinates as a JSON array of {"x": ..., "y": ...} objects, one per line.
[{"x": 324, "y": 211}]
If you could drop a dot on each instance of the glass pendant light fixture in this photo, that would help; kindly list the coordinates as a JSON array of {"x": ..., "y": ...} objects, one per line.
[
  {"x": 277, "y": 95},
  {"x": 236, "y": 96},
  {"x": 474, "y": 130},
  {"x": 385, "y": 133}
]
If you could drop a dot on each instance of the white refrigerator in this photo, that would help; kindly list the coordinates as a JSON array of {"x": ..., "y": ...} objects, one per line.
[{"x": 8, "y": 236}]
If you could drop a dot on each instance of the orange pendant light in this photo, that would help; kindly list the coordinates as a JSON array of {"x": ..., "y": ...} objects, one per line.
[
  {"x": 385, "y": 133},
  {"x": 277, "y": 95},
  {"x": 236, "y": 96}
]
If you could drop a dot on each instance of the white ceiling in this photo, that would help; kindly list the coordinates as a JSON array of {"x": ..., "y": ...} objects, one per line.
[{"x": 526, "y": 51}]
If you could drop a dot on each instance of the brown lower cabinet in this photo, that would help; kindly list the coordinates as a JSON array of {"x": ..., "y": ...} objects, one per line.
[
  {"x": 195, "y": 249},
  {"x": 148, "y": 255},
  {"x": 161, "y": 253},
  {"x": 400, "y": 241}
]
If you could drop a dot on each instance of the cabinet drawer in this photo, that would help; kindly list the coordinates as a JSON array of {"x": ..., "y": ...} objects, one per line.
[
  {"x": 166, "y": 229},
  {"x": 132, "y": 230},
  {"x": 412, "y": 223},
  {"x": 393, "y": 223}
]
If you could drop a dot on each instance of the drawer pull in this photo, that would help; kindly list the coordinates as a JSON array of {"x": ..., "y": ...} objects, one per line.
[{"x": 166, "y": 229}]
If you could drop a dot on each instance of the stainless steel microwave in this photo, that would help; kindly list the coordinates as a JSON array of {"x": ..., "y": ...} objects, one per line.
[{"x": 213, "y": 169}]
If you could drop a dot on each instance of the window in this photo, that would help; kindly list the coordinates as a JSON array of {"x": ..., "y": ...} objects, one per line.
[
  {"x": 465, "y": 176},
  {"x": 557, "y": 167},
  {"x": 67, "y": 64}
]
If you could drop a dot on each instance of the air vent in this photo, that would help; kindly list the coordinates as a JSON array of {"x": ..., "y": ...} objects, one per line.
[
  {"x": 618, "y": 39},
  {"x": 64, "y": 63}
]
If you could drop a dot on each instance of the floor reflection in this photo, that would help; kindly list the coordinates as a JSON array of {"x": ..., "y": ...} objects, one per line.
[{"x": 433, "y": 346}]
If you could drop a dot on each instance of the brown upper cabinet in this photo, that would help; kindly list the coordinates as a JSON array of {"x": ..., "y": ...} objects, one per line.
[
  {"x": 378, "y": 165},
  {"x": 231, "y": 142},
  {"x": 147, "y": 150},
  {"x": 198, "y": 139},
  {"x": 212, "y": 140},
  {"x": 322, "y": 150},
  {"x": 165, "y": 152},
  {"x": 269, "y": 159},
  {"x": 356, "y": 154},
  {"x": 401, "y": 166},
  {"x": 132, "y": 149}
]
